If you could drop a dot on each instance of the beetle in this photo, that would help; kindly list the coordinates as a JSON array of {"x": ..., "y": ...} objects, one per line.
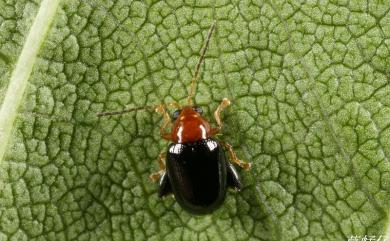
[{"x": 194, "y": 167}]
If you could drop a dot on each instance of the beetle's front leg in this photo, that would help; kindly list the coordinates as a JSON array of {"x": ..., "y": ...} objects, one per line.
[
  {"x": 233, "y": 157},
  {"x": 217, "y": 114},
  {"x": 161, "y": 109},
  {"x": 166, "y": 121},
  {"x": 161, "y": 161}
]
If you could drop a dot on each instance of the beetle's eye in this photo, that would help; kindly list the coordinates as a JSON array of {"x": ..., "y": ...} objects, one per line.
[
  {"x": 198, "y": 110},
  {"x": 176, "y": 114}
]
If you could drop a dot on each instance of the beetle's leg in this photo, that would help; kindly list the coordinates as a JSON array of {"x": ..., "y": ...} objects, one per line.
[
  {"x": 161, "y": 161},
  {"x": 234, "y": 158},
  {"x": 164, "y": 186},
  {"x": 166, "y": 121},
  {"x": 217, "y": 115},
  {"x": 233, "y": 180}
]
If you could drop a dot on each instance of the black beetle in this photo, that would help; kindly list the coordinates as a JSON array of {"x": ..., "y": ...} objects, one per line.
[{"x": 194, "y": 167}]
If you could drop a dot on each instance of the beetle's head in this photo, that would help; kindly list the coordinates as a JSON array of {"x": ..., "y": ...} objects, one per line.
[{"x": 187, "y": 110}]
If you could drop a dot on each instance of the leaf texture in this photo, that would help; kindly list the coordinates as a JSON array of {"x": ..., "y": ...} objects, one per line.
[{"x": 309, "y": 83}]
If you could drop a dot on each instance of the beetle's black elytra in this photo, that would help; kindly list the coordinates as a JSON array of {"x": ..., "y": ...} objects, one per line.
[{"x": 198, "y": 175}]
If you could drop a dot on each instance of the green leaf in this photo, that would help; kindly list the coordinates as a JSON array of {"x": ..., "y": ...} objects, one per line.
[{"x": 310, "y": 89}]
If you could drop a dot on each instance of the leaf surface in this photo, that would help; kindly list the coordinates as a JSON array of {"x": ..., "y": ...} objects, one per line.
[{"x": 310, "y": 89}]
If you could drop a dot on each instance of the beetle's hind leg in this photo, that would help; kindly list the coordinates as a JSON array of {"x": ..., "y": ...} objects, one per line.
[
  {"x": 154, "y": 177},
  {"x": 233, "y": 180},
  {"x": 164, "y": 186},
  {"x": 233, "y": 157}
]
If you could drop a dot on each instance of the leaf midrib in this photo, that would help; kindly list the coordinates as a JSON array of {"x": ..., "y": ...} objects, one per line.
[{"x": 23, "y": 69}]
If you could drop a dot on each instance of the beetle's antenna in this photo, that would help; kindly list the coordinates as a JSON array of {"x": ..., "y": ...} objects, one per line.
[
  {"x": 197, "y": 68},
  {"x": 120, "y": 112},
  {"x": 172, "y": 105}
]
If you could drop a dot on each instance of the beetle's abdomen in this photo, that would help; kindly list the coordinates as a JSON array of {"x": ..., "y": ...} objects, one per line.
[{"x": 197, "y": 172}]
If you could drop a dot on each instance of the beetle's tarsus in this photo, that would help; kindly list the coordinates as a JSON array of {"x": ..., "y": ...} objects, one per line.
[
  {"x": 161, "y": 109},
  {"x": 154, "y": 177},
  {"x": 233, "y": 157},
  {"x": 217, "y": 113},
  {"x": 166, "y": 119}
]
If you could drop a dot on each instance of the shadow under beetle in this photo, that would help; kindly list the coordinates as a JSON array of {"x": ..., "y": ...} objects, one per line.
[{"x": 194, "y": 168}]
